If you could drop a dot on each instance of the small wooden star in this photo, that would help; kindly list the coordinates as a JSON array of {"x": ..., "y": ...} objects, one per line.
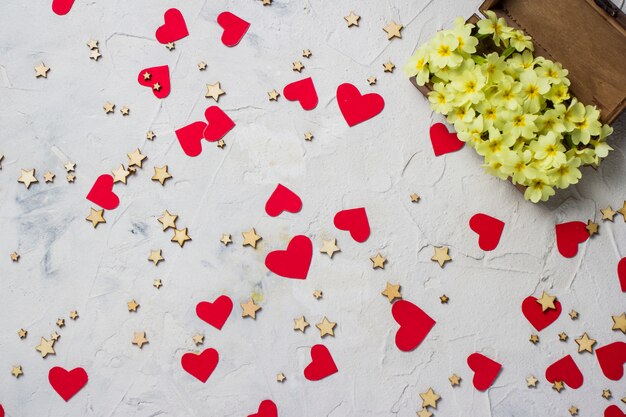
[
  {"x": 619, "y": 323},
  {"x": 226, "y": 239},
  {"x": 392, "y": 292},
  {"x": 297, "y": 66},
  {"x": 74, "y": 315},
  {"x": 378, "y": 261},
  {"x": 608, "y": 213},
  {"x": 54, "y": 336},
  {"x": 135, "y": 158},
  {"x": 267, "y": 2},
  {"x": 69, "y": 167},
  {"x": 133, "y": 305},
  {"x": 146, "y": 76},
  {"x": 201, "y": 66},
  {"x": 591, "y": 227},
  {"x": 326, "y": 327},
  {"x": 120, "y": 174},
  {"x": 318, "y": 294},
  {"x": 156, "y": 87},
  {"x": 606, "y": 394},
  {"x": 352, "y": 19},
  {"x": 573, "y": 410},
  {"x": 563, "y": 337},
  {"x": 622, "y": 211},
  {"x": 221, "y": 143},
  {"x": 168, "y": 220},
  {"x": 15, "y": 256},
  {"x": 558, "y": 386},
  {"x": 249, "y": 309},
  {"x": 150, "y": 135},
  {"x": 92, "y": 43},
  {"x": 180, "y": 236},
  {"x": 48, "y": 177},
  {"x": 430, "y": 398},
  {"x": 444, "y": 299},
  {"x": 27, "y": 177},
  {"x": 155, "y": 256},
  {"x": 95, "y": 54},
  {"x": 70, "y": 178},
  {"x": 585, "y": 343},
  {"x": 534, "y": 339},
  {"x": 108, "y": 107},
  {"x": 41, "y": 71},
  {"x": 61, "y": 323},
  {"x": 161, "y": 174},
  {"x": 198, "y": 339},
  {"x": 16, "y": 371},
  {"x": 531, "y": 382},
  {"x": 22, "y": 333},
  {"x": 389, "y": 66},
  {"x": 455, "y": 380},
  {"x": 547, "y": 301},
  {"x": 306, "y": 53},
  {"x": 300, "y": 324},
  {"x": 95, "y": 217},
  {"x": 214, "y": 91},
  {"x": 125, "y": 111},
  {"x": 273, "y": 95},
  {"x": 415, "y": 198},
  {"x": 329, "y": 247},
  {"x": 308, "y": 136},
  {"x": 250, "y": 238},
  {"x": 424, "y": 413},
  {"x": 393, "y": 30},
  {"x": 157, "y": 283},
  {"x": 45, "y": 347},
  {"x": 371, "y": 80},
  {"x": 280, "y": 377},
  {"x": 139, "y": 339},
  {"x": 441, "y": 255},
  {"x": 170, "y": 46},
  {"x": 573, "y": 314}
]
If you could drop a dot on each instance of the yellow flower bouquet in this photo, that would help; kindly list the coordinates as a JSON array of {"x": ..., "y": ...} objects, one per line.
[{"x": 513, "y": 108}]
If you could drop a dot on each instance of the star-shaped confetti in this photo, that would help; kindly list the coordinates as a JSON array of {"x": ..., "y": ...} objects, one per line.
[
  {"x": 41, "y": 70},
  {"x": 92, "y": 43},
  {"x": 393, "y": 30},
  {"x": 297, "y": 66},
  {"x": 226, "y": 239},
  {"x": 308, "y": 136},
  {"x": 180, "y": 236},
  {"x": 388, "y": 66},
  {"x": 534, "y": 339},
  {"x": 273, "y": 95},
  {"x": 280, "y": 377},
  {"x": 125, "y": 112},
  {"x": 155, "y": 256},
  {"x": 45, "y": 347},
  {"x": 352, "y": 19},
  {"x": 430, "y": 398},
  {"x": 95, "y": 54},
  {"x": 371, "y": 80},
  {"x": 108, "y": 107},
  {"x": 585, "y": 343},
  {"x": 150, "y": 135},
  {"x": 441, "y": 255},
  {"x": 531, "y": 382},
  {"x": 170, "y": 46},
  {"x": 120, "y": 174},
  {"x": 70, "y": 178},
  {"x": 547, "y": 301},
  {"x": 392, "y": 291},
  {"x": 455, "y": 380},
  {"x": 329, "y": 247},
  {"x": 61, "y": 323},
  {"x": 16, "y": 371},
  {"x": 69, "y": 166},
  {"x": 444, "y": 299},
  {"x": 95, "y": 217},
  {"x": 250, "y": 238},
  {"x": 221, "y": 143},
  {"x": 22, "y": 333},
  {"x": 15, "y": 256},
  {"x": 54, "y": 336},
  {"x": 161, "y": 174},
  {"x": 573, "y": 314},
  {"x": 326, "y": 327},
  {"x": 168, "y": 220},
  {"x": 318, "y": 294},
  {"x": 591, "y": 227},
  {"x": 201, "y": 66},
  {"x": 415, "y": 198},
  {"x": 135, "y": 158},
  {"x": 48, "y": 177},
  {"x": 74, "y": 315},
  {"x": 608, "y": 213},
  {"x": 558, "y": 386},
  {"x": 157, "y": 283},
  {"x": 378, "y": 261},
  {"x": 139, "y": 339},
  {"x": 198, "y": 339},
  {"x": 300, "y": 324},
  {"x": 249, "y": 309},
  {"x": 619, "y": 323},
  {"x": 606, "y": 394},
  {"x": 573, "y": 410},
  {"x": 27, "y": 177},
  {"x": 306, "y": 53},
  {"x": 132, "y": 305},
  {"x": 563, "y": 337},
  {"x": 214, "y": 91},
  {"x": 424, "y": 413}
]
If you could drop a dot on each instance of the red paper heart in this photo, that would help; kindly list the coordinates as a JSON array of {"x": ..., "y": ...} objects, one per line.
[
  {"x": 613, "y": 411},
  {"x": 174, "y": 27},
  {"x": 322, "y": 364},
  {"x": 234, "y": 28},
  {"x": 190, "y": 138},
  {"x": 267, "y": 408},
  {"x": 443, "y": 141},
  {"x": 67, "y": 383},
  {"x": 302, "y": 91},
  {"x": 414, "y": 323},
  {"x": 536, "y": 316},
  {"x": 200, "y": 365},
  {"x": 621, "y": 273},
  {"x": 565, "y": 370},
  {"x": 102, "y": 194},
  {"x": 61, "y": 7},
  {"x": 1, "y": 411},
  {"x": 158, "y": 75},
  {"x": 219, "y": 124},
  {"x": 489, "y": 230},
  {"x": 568, "y": 236},
  {"x": 357, "y": 108},
  {"x": 486, "y": 370},
  {"x": 354, "y": 221},
  {"x": 282, "y": 199},
  {"x": 611, "y": 359},
  {"x": 215, "y": 313},
  {"x": 293, "y": 262}
]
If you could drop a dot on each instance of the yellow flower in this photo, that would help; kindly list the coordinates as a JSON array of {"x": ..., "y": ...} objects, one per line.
[
  {"x": 558, "y": 93},
  {"x": 468, "y": 86},
  {"x": 519, "y": 41},
  {"x": 494, "y": 67},
  {"x": 566, "y": 173},
  {"x": 533, "y": 89},
  {"x": 418, "y": 66},
  {"x": 539, "y": 189},
  {"x": 494, "y": 168},
  {"x": 587, "y": 127},
  {"x": 520, "y": 62},
  {"x": 463, "y": 33},
  {"x": 495, "y": 145},
  {"x": 508, "y": 94},
  {"x": 493, "y": 26},
  {"x": 463, "y": 114},
  {"x": 553, "y": 71},
  {"x": 442, "y": 53},
  {"x": 549, "y": 149},
  {"x": 574, "y": 114},
  {"x": 518, "y": 168},
  {"x": 441, "y": 98},
  {"x": 551, "y": 120},
  {"x": 471, "y": 132},
  {"x": 493, "y": 114},
  {"x": 521, "y": 124}
]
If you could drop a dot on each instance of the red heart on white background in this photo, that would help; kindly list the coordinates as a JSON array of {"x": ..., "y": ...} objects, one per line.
[
  {"x": 61, "y": 7},
  {"x": 354, "y": 221},
  {"x": 282, "y": 199},
  {"x": 67, "y": 383},
  {"x": 356, "y": 107},
  {"x": 157, "y": 79},
  {"x": 294, "y": 262},
  {"x": 174, "y": 27},
  {"x": 414, "y": 323},
  {"x": 621, "y": 273},
  {"x": 218, "y": 124},
  {"x": 190, "y": 138},
  {"x": 569, "y": 236},
  {"x": 565, "y": 370},
  {"x": 613, "y": 411},
  {"x": 489, "y": 230},
  {"x": 267, "y": 408},
  {"x": 486, "y": 370},
  {"x": 102, "y": 194},
  {"x": 215, "y": 313},
  {"x": 443, "y": 141},
  {"x": 612, "y": 358},
  {"x": 302, "y": 91},
  {"x": 202, "y": 365},
  {"x": 322, "y": 364},
  {"x": 234, "y": 28},
  {"x": 534, "y": 313}
]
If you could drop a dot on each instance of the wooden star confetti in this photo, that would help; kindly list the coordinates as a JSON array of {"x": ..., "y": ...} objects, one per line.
[
  {"x": 16, "y": 371},
  {"x": 249, "y": 309},
  {"x": 352, "y": 19},
  {"x": 573, "y": 314},
  {"x": 318, "y": 294},
  {"x": 69, "y": 166},
  {"x": 225, "y": 239},
  {"x": 170, "y": 46},
  {"x": 201, "y": 66},
  {"x": 371, "y": 80},
  {"x": 267, "y": 2},
  {"x": 297, "y": 66},
  {"x": 135, "y": 158},
  {"x": 534, "y": 339},
  {"x": 221, "y": 143},
  {"x": 48, "y": 177},
  {"x": 300, "y": 324},
  {"x": 619, "y": 323},
  {"x": 74, "y": 315},
  {"x": 156, "y": 87},
  {"x": 388, "y": 66},
  {"x": 139, "y": 339},
  {"x": 563, "y": 337},
  {"x": 591, "y": 227},
  {"x": 430, "y": 398},
  {"x": 92, "y": 43},
  {"x": 531, "y": 382},
  {"x": 455, "y": 380},
  {"x": 547, "y": 301},
  {"x": 120, "y": 174},
  {"x": 273, "y": 95},
  {"x": 41, "y": 71},
  {"x": 280, "y": 377},
  {"x": 161, "y": 174},
  {"x": 125, "y": 111},
  {"x": 155, "y": 256},
  {"x": 622, "y": 211},
  {"x": 146, "y": 76},
  {"x": 22, "y": 333},
  {"x": 424, "y": 413},
  {"x": 573, "y": 410},
  {"x": 15, "y": 256},
  {"x": 441, "y": 255},
  {"x": 132, "y": 306},
  {"x": 329, "y": 247},
  {"x": 27, "y": 177},
  {"x": 308, "y": 136},
  {"x": 54, "y": 336},
  {"x": 392, "y": 292},
  {"x": 378, "y": 261},
  {"x": 606, "y": 394},
  {"x": 326, "y": 327},
  {"x": 95, "y": 217},
  {"x": 168, "y": 220},
  {"x": 198, "y": 339},
  {"x": 150, "y": 135},
  {"x": 585, "y": 343},
  {"x": 214, "y": 91},
  {"x": 45, "y": 347},
  {"x": 444, "y": 299},
  {"x": 608, "y": 213},
  {"x": 180, "y": 236},
  {"x": 61, "y": 323},
  {"x": 70, "y": 178},
  {"x": 95, "y": 54},
  {"x": 558, "y": 386},
  {"x": 415, "y": 198},
  {"x": 393, "y": 30},
  {"x": 157, "y": 283},
  {"x": 250, "y": 238},
  {"x": 108, "y": 107},
  {"x": 306, "y": 53}
]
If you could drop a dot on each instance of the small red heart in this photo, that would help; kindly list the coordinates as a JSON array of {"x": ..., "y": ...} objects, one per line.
[
  {"x": 414, "y": 323},
  {"x": 174, "y": 27},
  {"x": 67, "y": 383},
  {"x": 234, "y": 28},
  {"x": 219, "y": 124},
  {"x": 282, "y": 199},
  {"x": 486, "y": 370},
  {"x": 267, "y": 408},
  {"x": 200, "y": 365},
  {"x": 322, "y": 364},
  {"x": 357, "y": 108},
  {"x": 158, "y": 76},
  {"x": 443, "y": 141},
  {"x": 534, "y": 313},
  {"x": 190, "y": 138},
  {"x": 611, "y": 359},
  {"x": 621, "y": 273},
  {"x": 215, "y": 313},
  {"x": 294, "y": 262},
  {"x": 489, "y": 230},
  {"x": 61, "y": 7},
  {"x": 613, "y": 411},
  {"x": 354, "y": 221},
  {"x": 568, "y": 236},
  {"x": 302, "y": 91},
  {"x": 565, "y": 370},
  {"x": 102, "y": 194}
]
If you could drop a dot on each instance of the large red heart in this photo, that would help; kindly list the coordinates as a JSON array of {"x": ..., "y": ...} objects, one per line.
[
  {"x": 489, "y": 230},
  {"x": 357, "y": 108},
  {"x": 568, "y": 236},
  {"x": 611, "y": 359},
  {"x": 565, "y": 370},
  {"x": 219, "y": 124},
  {"x": 302, "y": 91},
  {"x": 414, "y": 323},
  {"x": 534, "y": 313},
  {"x": 234, "y": 28},
  {"x": 157, "y": 78},
  {"x": 282, "y": 199},
  {"x": 443, "y": 141},
  {"x": 486, "y": 370},
  {"x": 200, "y": 365},
  {"x": 322, "y": 364},
  {"x": 62, "y": 7},
  {"x": 267, "y": 408},
  {"x": 621, "y": 273},
  {"x": 613, "y": 411},
  {"x": 215, "y": 313},
  {"x": 102, "y": 194},
  {"x": 174, "y": 27},
  {"x": 293, "y": 262},
  {"x": 354, "y": 221},
  {"x": 67, "y": 383},
  {"x": 190, "y": 138}
]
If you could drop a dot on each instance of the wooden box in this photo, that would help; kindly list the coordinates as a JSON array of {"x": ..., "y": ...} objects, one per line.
[{"x": 587, "y": 36}]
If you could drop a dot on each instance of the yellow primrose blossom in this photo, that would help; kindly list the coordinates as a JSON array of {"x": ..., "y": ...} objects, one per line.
[
  {"x": 521, "y": 62},
  {"x": 565, "y": 173},
  {"x": 494, "y": 168},
  {"x": 551, "y": 120},
  {"x": 518, "y": 168},
  {"x": 463, "y": 33},
  {"x": 469, "y": 86},
  {"x": 471, "y": 133},
  {"x": 443, "y": 52},
  {"x": 553, "y": 71},
  {"x": 495, "y": 145},
  {"x": 494, "y": 67},
  {"x": 521, "y": 124},
  {"x": 539, "y": 189},
  {"x": 493, "y": 26},
  {"x": 508, "y": 95},
  {"x": 463, "y": 114},
  {"x": 574, "y": 114},
  {"x": 441, "y": 98},
  {"x": 549, "y": 149},
  {"x": 558, "y": 93},
  {"x": 587, "y": 127},
  {"x": 519, "y": 41},
  {"x": 533, "y": 89},
  {"x": 418, "y": 66}
]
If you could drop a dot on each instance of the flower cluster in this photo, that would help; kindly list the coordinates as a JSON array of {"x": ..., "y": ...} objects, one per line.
[{"x": 513, "y": 108}]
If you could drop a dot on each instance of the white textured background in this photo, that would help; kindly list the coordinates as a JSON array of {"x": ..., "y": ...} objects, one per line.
[{"x": 67, "y": 265}]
